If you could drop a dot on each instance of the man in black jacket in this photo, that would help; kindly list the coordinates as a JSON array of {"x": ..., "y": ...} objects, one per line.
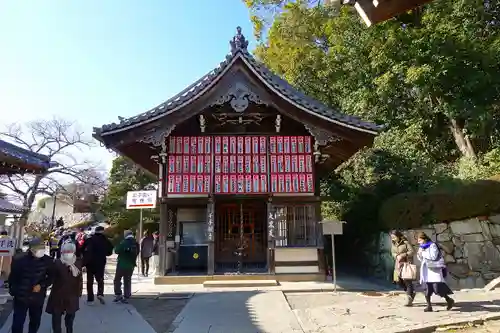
[
  {"x": 31, "y": 274},
  {"x": 95, "y": 250}
]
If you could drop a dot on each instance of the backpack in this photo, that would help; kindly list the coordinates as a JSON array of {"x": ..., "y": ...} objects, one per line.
[{"x": 132, "y": 250}]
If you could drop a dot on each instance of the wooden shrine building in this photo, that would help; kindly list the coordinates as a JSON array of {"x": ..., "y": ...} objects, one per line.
[
  {"x": 238, "y": 155},
  {"x": 17, "y": 160}
]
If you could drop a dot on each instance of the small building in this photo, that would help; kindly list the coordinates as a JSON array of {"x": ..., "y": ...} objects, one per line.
[
  {"x": 238, "y": 155},
  {"x": 17, "y": 160},
  {"x": 61, "y": 206}
]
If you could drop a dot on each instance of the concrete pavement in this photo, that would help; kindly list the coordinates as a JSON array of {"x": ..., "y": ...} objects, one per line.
[{"x": 242, "y": 312}]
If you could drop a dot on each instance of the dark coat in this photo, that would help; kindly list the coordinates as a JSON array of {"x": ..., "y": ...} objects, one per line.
[
  {"x": 95, "y": 250},
  {"x": 66, "y": 290},
  {"x": 147, "y": 246},
  {"x": 28, "y": 271}
]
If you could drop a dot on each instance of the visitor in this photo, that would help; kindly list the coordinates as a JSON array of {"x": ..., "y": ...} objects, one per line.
[
  {"x": 147, "y": 247},
  {"x": 30, "y": 276},
  {"x": 433, "y": 272},
  {"x": 95, "y": 250},
  {"x": 54, "y": 244},
  {"x": 64, "y": 298},
  {"x": 69, "y": 236},
  {"x": 156, "y": 250},
  {"x": 402, "y": 252},
  {"x": 127, "y": 252}
]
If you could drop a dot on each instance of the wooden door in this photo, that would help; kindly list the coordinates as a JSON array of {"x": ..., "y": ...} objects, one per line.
[{"x": 240, "y": 225}]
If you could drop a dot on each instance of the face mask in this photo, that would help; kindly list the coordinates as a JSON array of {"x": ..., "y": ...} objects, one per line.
[
  {"x": 39, "y": 253},
  {"x": 67, "y": 257}
]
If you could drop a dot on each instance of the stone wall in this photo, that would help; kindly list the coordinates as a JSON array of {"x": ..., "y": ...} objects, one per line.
[{"x": 471, "y": 249}]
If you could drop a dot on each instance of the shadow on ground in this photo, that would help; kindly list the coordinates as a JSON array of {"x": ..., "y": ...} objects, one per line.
[{"x": 236, "y": 311}]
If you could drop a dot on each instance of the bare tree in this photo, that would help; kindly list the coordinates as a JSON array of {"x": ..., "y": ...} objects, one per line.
[{"x": 62, "y": 142}]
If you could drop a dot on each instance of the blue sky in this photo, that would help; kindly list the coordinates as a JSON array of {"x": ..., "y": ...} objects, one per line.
[{"x": 92, "y": 61}]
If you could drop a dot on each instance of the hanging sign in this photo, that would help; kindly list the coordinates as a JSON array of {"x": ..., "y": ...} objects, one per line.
[
  {"x": 7, "y": 246},
  {"x": 190, "y": 165},
  {"x": 240, "y": 164},
  {"x": 141, "y": 199},
  {"x": 291, "y": 165}
]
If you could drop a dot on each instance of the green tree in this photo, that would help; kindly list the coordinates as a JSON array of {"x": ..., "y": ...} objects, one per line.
[
  {"x": 437, "y": 66},
  {"x": 431, "y": 76},
  {"x": 126, "y": 176}
]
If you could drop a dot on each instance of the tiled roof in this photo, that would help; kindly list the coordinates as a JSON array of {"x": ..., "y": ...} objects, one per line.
[
  {"x": 9, "y": 208},
  {"x": 23, "y": 155},
  {"x": 274, "y": 81}
]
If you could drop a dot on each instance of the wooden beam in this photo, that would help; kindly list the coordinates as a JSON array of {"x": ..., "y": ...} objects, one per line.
[{"x": 376, "y": 11}]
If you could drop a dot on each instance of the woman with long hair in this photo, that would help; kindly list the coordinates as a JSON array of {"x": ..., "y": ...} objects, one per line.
[
  {"x": 432, "y": 272},
  {"x": 402, "y": 252},
  {"x": 66, "y": 291}
]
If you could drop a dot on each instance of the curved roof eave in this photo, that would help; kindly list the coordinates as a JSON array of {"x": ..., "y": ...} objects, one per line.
[{"x": 279, "y": 86}]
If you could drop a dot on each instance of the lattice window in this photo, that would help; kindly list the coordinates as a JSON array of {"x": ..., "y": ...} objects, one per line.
[{"x": 295, "y": 225}]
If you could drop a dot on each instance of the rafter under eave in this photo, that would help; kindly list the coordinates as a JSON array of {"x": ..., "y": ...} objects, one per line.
[{"x": 376, "y": 11}]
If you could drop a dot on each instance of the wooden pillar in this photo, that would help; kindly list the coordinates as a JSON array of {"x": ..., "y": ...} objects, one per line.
[
  {"x": 271, "y": 244},
  {"x": 162, "y": 244},
  {"x": 211, "y": 236}
]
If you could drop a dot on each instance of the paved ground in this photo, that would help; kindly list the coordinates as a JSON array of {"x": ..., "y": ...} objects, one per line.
[
  {"x": 348, "y": 312},
  {"x": 159, "y": 312},
  {"x": 242, "y": 312},
  {"x": 249, "y": 310},
  {"x": 488, "y": 327}
]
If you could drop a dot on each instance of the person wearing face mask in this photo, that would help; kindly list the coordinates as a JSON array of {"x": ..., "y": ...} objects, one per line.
[
  {"x": 31, "y": 274},
  {"x": 402, "y": 252},
  {"x": 433, "y": 272},
  {"x": 64, "y": 298}
]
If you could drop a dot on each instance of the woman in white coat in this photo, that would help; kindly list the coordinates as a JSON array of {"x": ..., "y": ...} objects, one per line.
[{"x": 432, "y": 271}]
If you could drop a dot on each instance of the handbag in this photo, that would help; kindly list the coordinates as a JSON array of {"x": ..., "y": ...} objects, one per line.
[{"x": 409, "y": 271}]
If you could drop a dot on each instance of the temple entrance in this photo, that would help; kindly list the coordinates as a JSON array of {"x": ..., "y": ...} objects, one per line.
[{"x": 241, "y": 237}]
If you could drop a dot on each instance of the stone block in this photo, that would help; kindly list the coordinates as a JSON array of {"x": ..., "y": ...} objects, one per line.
[
  {"x": 494, "y": 230},
  {"x": 457, "y": 240},
  {"x": 470, "y": 226},
  {"x": 458, "y": 270},
  {"x": 448, "y": 258},
  {"x": 485, "y": 225},
  {"x": 474, "y": 252},
  {"x": 490, "y": 276},
  {"x": 469, "y": 282},
  {"x": 473, "y": 238},
  {"x": 440, "y": 228},
  {"x": 492, "y": 256},
  {"x": 447, "y": 247},
  {"x": 452, "y": 282},
  {"x": 494, "y": 219}
]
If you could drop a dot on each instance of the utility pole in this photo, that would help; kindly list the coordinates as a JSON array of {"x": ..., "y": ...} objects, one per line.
[{"x": 52, "y": 221}]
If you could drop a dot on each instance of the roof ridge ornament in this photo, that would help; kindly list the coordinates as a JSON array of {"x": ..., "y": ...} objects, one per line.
[{"x": 239, "y": 42}]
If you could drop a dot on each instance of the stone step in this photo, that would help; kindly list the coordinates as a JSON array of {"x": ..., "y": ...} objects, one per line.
[{"x": 239, "y": 283}]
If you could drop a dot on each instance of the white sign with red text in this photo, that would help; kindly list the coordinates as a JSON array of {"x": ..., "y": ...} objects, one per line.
[{"x": 141, "y": 199}]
